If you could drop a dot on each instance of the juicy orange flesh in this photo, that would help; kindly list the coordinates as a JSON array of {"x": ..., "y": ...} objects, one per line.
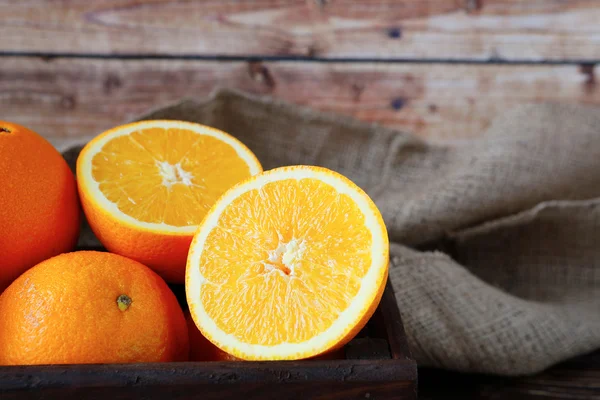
[
  {"x": 171, "y": 176},
  {"x": 284, "y": 261}
]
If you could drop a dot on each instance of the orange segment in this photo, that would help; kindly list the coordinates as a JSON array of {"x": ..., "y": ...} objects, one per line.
[
  {"x": 289, "y": 264},
  {"x": 146, "y": 186}
]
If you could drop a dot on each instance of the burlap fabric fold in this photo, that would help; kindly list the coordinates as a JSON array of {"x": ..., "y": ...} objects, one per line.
[{"x": 495, "y": 256}]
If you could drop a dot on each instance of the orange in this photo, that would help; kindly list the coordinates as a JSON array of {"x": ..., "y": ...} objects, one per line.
[
  {"x": 289, "y": 264},
  {"x": 200, "y": 348},
  {"x": 90, "y": 307},
  {"x": 39, "y": 209},
  {"x": 146, "y": 186}
]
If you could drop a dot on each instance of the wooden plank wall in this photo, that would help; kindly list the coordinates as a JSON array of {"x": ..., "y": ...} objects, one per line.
[{"x": 439, "y": 68}]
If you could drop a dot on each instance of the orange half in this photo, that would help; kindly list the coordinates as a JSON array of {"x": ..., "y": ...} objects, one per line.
[
  {"x": 146, "y": 186},
  {"x": 289, "y": 264}
]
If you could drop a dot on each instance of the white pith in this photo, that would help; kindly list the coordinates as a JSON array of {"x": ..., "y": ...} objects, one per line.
[
  {"x": 171, "y": 173},
  {"x": 287, "y": 253}
]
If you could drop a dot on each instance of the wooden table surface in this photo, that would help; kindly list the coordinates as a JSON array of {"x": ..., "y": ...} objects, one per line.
[
  {"x": 577, "y": 379},
  {"x": 441, "y": 69}
]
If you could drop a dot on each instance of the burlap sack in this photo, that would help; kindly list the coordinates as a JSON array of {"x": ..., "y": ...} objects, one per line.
[{"x": 518, "y": 287}]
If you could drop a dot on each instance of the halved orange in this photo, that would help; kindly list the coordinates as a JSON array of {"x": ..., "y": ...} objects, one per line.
[
  {"x": 289, "y": 264},
  {"x": 146, "y": 186}
]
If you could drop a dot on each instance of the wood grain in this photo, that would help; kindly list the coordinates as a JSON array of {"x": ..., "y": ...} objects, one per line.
[
  {"x": 67, "y": 98},
  {"x": 576, "y": 379},
  {"x": 511, "y": 30},
  {"x": 334, "y": 380}
]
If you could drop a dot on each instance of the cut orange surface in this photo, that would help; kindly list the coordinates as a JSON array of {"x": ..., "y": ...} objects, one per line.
[
  {"x": 289, "y": 264},
  {"x": 146, "y": 186}
]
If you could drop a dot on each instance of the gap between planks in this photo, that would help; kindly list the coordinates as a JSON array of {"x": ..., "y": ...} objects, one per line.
[{"x": 261, "y": 58}]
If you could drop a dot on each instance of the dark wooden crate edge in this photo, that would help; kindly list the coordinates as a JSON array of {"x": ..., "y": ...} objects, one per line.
[
  {"x": 394, "y": 378},
  {"x": 392, "y": 321}
]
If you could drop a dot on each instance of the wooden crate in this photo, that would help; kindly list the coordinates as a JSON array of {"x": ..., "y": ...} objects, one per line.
[{"x": 377, "y": 365}]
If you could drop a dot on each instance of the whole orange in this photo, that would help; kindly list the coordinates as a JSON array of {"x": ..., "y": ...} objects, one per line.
[
  {"x": 90, "y": 307},
  {"x": 39, "y": 206}
]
